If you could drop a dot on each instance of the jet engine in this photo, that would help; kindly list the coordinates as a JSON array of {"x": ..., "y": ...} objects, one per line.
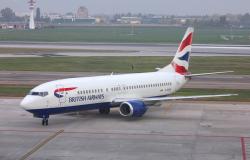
[{"x": 133, "y": 109}]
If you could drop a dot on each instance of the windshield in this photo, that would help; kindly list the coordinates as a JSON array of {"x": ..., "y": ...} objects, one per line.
[{"x": 42, "y": 94}]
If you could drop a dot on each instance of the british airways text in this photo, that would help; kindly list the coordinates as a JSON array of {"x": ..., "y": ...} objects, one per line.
[{"x": 86, "y": 98}]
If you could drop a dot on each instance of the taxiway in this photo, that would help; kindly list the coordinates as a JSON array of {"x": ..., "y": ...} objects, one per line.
[
  {"x": 123, "y": 49},
  {"x": 173, "y": 131}
]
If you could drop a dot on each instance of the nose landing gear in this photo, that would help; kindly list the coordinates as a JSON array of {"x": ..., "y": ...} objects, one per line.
[
  {"x": 44, "y": 117},
  {"x": 45, "y": 120}
]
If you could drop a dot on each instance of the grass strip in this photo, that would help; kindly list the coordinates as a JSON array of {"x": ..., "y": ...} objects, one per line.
[
  {"x": 122, "y": 64},
  {"x": 142, "y": 34}
]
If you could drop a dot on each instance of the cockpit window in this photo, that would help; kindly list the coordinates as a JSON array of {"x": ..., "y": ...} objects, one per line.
[{"x": 42, "y": 94}]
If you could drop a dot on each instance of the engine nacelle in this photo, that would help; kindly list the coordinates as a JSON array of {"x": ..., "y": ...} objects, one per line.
[{"x": 133, "y": 109}]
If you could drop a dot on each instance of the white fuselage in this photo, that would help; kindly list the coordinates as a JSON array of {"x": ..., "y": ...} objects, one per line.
[{"x": 96, "y": 91}]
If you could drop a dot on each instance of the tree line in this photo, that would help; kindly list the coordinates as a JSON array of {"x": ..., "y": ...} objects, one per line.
[{"x": 8, "y": 15}]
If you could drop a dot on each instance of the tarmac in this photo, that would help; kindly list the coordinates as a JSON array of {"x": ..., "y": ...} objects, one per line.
[
  {"x": 123, "y": 49},
  {"x": 176, "y": 130}
]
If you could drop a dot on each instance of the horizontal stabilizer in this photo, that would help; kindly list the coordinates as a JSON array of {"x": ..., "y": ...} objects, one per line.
[{"x": 205, "y": 74}]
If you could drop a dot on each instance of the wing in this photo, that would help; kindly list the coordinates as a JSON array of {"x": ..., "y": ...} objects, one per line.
[{"x": 120, "y": 100}]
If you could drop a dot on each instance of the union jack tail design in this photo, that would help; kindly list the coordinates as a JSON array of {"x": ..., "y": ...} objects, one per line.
[{"x": 180, "y": 63}]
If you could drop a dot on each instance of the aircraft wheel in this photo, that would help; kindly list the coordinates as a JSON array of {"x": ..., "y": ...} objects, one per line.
[
  {"x": 43, "y": 122},
  {"x": 47, "y": 122}
]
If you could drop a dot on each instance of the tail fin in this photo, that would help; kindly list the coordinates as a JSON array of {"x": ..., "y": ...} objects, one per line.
[{"x": 180, "y": 63}]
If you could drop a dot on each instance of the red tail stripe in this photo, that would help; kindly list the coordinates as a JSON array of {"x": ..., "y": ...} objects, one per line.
[
  {"x": 64, "y": 89},
  {"x": 186, "y": 42},
  {"x": 179, "y": 69}
]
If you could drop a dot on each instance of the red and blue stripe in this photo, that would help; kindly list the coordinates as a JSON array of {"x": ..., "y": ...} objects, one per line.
[
  {"x": 56, "y": 92},
  {"x": 186, "y": 42}
]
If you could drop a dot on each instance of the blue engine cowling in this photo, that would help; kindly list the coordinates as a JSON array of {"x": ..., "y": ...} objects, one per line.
[{"x": 133, "y": 109}]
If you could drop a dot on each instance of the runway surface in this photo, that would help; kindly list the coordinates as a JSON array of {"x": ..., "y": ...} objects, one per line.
[
  {"x": 126, "y": 49},
  {"x": 36, "y": 78},
  {"x": 173, "y": 131}
]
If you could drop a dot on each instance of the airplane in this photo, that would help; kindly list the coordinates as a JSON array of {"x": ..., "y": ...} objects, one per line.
[{"x": 132, "y": 93}]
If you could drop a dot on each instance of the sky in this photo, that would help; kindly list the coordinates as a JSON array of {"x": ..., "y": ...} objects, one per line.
[{"x": 166, "y": 7}]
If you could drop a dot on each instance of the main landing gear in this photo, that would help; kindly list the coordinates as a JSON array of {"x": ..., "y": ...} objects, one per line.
[
  {"x": 104, "y": 111},
  {"x": 45, "y": 121}
]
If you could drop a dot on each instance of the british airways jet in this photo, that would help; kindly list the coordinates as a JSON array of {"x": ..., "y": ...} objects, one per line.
[{"x": 132, "y": 93}]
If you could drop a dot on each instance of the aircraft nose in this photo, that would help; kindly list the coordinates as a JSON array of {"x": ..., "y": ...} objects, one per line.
[{"x": 25, "y": 103}]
